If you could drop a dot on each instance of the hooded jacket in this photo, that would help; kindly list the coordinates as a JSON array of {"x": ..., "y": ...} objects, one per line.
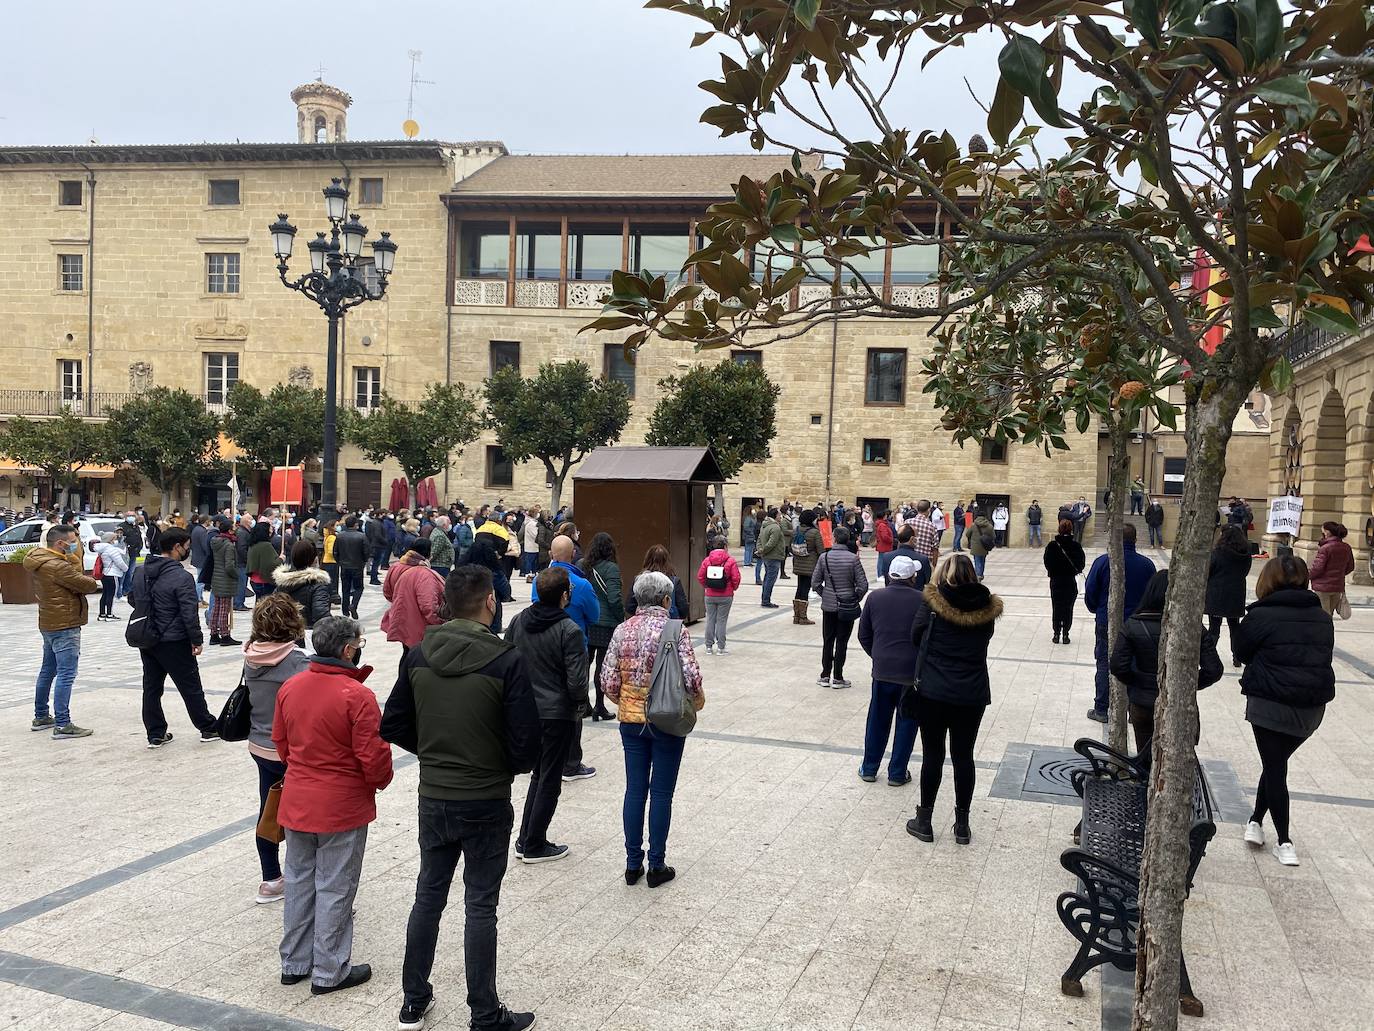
[
  {"x": 1286, "y": 641},
  {"x": 982, "y": 527},
  {"x": 1135, "y": 658},
  {"x": 720, "y": 557},
  {"x": 416, "y": 593},
  {"x": 174, "y": 611},
  {"x": 266, "y": 666},
  {"x": 464, "y": 705},
  {"x": 584, "y": 609},
  {"x": 772, "y": 544},
  {"x": 885, "y": 631},
  {"x": 224, "y": 576},
  {"x": 956, "y": 662},
  {"x": 1226, "y": 573},
  {"x": 555, "y": 658},
  {"x": 308, "y": 588},
  {"x": 61, "y": 588}
]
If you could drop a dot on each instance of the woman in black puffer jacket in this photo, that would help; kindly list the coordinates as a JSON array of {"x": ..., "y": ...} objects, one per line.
[
  {"x": 1286, "y": 641},
  {"x": 304, "y": 583},
  {"x": 1226, "y": 573},
  {"x": 1135, "y": 661},
  {"x": 1064, "y": 560},
  {"x": 954, "y": 689}
]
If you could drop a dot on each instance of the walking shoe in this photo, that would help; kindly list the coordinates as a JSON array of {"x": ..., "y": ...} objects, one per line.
[
  {"x": 229, "y": 642},
  {"x": 962, "y": 834},
  {"x": 1097, "y": 716},
  {"x": 867, "y": 778},
  {"x": 1056, "y": 638},
  {"x": 359, "y": 973},
  {"x": 293, "y": 978},
  {"x": 42, "y": 723},
  {"x": 721, "y": 650},
  {"x": 768, "y": 605},
  {"x": 113, "y": 616},
  {"x": 547, "y": 854},
  {"x": 209, "y": 735},
  {"x": 1066, "y": 637},
  {"x": 508, "y": 1021},
  {"x": 1284, "y": 852},
  {"x": 839, "y": 683},
  {"x": 519, "y": 849},
  {"x": 242, "y": 608},
  {"x": 1254, "y": 833},
  {"x": 822, "y": 681},
  {"x": 101, "y": 617},
  {"x": 633, "y": 876},
  {"x": 70, "y": 730},
  {"x": 271, "y": 891},
  {"x": 662, "y": 875},
  {"x": 413, "y": 1017},
  {"x": 581, "y": 773},
  {"x": 710, "y": 650},
  {"x": 899, "y": 783},
  {"x": 158, "y": 742}
]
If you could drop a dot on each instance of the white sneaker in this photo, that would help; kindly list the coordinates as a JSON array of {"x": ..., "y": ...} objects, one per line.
[
  {"x": 710, "y": 650},
  {"x": 721, "y": 650},
  {"x": 1254, "y": 833},
  {"x": 271, "y": 891},
  {"x": 1286, "y": 854},
  {"x": 822, "y": 681}
]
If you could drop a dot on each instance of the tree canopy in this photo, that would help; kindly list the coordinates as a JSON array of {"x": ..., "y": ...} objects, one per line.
[
  {"x": 422, "y": 438},
  {"x": 59, "y": 448},
  {"x": 730, "y": 407},
  {"x": 265, "y": 425},
  {"x": 168, "y": 435}
]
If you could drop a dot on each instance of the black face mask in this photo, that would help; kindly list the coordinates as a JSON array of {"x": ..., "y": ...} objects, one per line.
[{"x": 357, "y": 659}]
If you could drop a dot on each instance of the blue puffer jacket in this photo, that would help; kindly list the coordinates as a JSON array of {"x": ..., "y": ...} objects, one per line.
[{"x": 1097, "y": 590}]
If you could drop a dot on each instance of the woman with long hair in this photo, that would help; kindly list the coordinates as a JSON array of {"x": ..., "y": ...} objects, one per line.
[
  {"x": 656, "y": 560},
  {"x": 602, "y": 570},
  {"x": 1333, "y": 562},
  {"x": 1287, "y": 642},
  {"x": 1064, "y": 560},
  {"x": 1227, "y": 570},
  {"x": 327, "y": 534},
  {"x": 262, "y": 560}
]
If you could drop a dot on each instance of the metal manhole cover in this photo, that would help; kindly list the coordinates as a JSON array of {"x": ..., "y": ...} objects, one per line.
[{"x": 1053, "y": 776}]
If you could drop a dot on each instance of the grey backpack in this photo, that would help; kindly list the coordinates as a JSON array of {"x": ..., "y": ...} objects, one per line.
[{"x": 670, "y": 708}]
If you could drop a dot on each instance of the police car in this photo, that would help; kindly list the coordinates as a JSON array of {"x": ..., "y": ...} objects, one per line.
[{"x": 29, "y": 533}]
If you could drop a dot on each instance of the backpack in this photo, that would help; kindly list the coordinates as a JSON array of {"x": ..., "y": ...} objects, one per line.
[
  {"x": 799, "y": 548},
  {"x": 141, "y": 631},
  {"x": 717, "y": 578},
  {"x": 669, "y": 707},
  {"x": 988, "y": 539},
  {"x": 98, "y": 570}
]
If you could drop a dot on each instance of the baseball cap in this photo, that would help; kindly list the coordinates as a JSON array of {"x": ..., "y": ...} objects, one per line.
[{"x": 902, "y": 568}]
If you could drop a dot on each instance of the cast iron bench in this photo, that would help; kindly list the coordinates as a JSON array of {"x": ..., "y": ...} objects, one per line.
[{"x": 1104, "y": 915}]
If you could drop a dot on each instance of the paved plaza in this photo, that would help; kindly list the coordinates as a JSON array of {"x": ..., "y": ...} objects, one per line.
[{"x": 801, "y": 902}]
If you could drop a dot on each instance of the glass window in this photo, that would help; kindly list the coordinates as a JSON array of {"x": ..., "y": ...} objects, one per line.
[
  {"x": 221, "y": 373},
  {"x": 369, "y": 191},
  {"x": 505, "y": 353},
  {"x": 994, "y": 452},
  {"x": 815, "y": 419},
  {"x": 500, "y": 469},
  {"x": 916, "y": 263},
  {"x": 659, "y": 250},
  {"x": 877, "y": 451},
  {"x": 69, "y": 193},
  {"x": 484, "y": 250},
  {"x": 224, "y": 192},
  {"x": 536, "y": 251},
  {"x": 868, "y": 267},
  {"x": 885, "y": 383},
  {"x": 365, "y": 270},
  {"x": 747, "y": 357},
  {"x": 616, "y": 367},
  {"x": 593, "y": 251},
  {"x": 367, "y": 386},
  {"x": 221, "y": 273},
  {"x": 73, "y": 268},
  {"x": 69, "y": 378}
]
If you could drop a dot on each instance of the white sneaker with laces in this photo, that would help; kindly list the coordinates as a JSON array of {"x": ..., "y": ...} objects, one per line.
[
  {"x": 710, "y": 650},
  {"x": 1254, "y": 833},
  {"x": 1286, "y": 854},
  {"x": 822, "y": 681}
]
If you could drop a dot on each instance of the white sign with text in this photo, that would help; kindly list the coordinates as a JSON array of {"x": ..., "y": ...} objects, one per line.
[{"x": 1285, "y": 514}]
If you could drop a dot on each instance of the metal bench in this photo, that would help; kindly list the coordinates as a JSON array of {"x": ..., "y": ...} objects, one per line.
[{"x": 1104, "y": 914}]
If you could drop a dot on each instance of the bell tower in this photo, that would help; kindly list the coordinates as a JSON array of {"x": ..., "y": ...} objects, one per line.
[{"x": 321, "y": 112}]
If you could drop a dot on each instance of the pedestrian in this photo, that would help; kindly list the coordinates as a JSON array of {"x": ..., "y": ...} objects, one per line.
[
  {"x": 656, "y": 560},
  {"x": 133, "y": 543},
  {"x": 959, "y": 526},
  {"x": 555, "y": 658},
  {"x": 841, "y": 582},
  {"x": 885, "y": 635},
  {"x": 749, "y": 535},
  {"x": 904, "y": 549},
  {"x": 1080, "y": 512},
  {"x": 416, "y": 594},
  {"x": 867, "y": 526},
  {"x": 1033, "y": 518},
  {"x": 1333, "y": 562},
  {"x": 488, "y": 544},
  {"x": 169, "y": 591},
  {"x": 720, "y": 576},
  {"x": 1064, "y": 561},
  {"x": 529, "y": 550},
  {"x": 1227, "y": 570},
  {"x": 806, "y": 551},
  {"x": 325, "y": 729},
  {"x": 327, "y": 560},
  {"x": 224, "y": 582},
  {"x": 391, "y": 532},
  {"x": 1154, "y": 522},
  {"x": 1096, "y": 595},
  {"x": 1135, "y": 661},
  {"x": 882, "y": 534},
  {"x": 407, "y": 531},
  {"x": 771, "y": 547},
  {"x": 481, "y": 729},
  {"x": 653, "y": 757},
  {"x": 1287, "y": 642},
  {"x": 61, "y": 586},
  {"x": 981, "y": 539},
  {"x": 377, "y": 546},
  {"x": 601, "y": 568},
  {"x": 114, "y": 561},
  {"x": 954, "y": 626},
  {"x": 1001, "y": 520},
  {"x": 441, "y": 546},
  {"x": 350, "y": 551},
  {"x": 243, "y": 540},
  {"x": 304, "y": 583},
  {"x": 924, "y": 540},
  {"x": 271, "y": 656},
  {"x": 201, "y": 533},
  {"x": 263, "y": 560},
  {"x": 584, "y": 610}
]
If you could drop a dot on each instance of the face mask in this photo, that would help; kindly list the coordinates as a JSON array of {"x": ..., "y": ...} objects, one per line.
[
  {"x": 73, "y": 547},
  {"x": 129, "y": 520},
  {"x": 357, "y": 659}
]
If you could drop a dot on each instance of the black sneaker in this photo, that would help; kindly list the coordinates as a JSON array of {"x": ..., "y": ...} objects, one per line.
[
  {"x": 413, "y": 1017},
  {"x": 547, "y": 854},
  {"x": 507, "y": 1021},
  {"x": 158, "y": 742},
  {"x": 581, "y": 773},
  {"x": 43, "y": 723},
  {"x": 207, "y": 736}
]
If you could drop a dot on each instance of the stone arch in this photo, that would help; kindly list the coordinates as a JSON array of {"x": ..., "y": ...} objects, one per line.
[
  {"x": 1324, "y": 467},
  {"x": 321, "y": 134},
  {"x": 338, "y": 130}
]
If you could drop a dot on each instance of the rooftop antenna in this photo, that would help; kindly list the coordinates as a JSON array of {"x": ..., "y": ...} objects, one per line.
[
  {"x": 319, "y": 73},
  {"x": 410, "y": 127}
]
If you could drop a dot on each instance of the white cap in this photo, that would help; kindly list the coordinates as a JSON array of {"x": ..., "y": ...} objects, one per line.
[{"x": 902, "y": 568}]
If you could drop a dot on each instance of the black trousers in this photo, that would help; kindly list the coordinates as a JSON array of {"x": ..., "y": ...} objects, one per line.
[
  {"x": 546, "y": 782},
  {"x": 1232, "y": 625},
  {"x": 958, "y": 723},
  {"x": 107, "y": 594},
  {"x": 598, "y": 658},
  {"x": 803, "y": 587},
  {"x": 172, "y": 659},
  {"x": 351, "y": 589},
  {"x": 1063, "y": 594},
  {"x": 834, "y": 643},
  {"x": 1271, "y": 797}
]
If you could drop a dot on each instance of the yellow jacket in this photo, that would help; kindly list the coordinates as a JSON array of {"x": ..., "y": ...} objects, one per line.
[{"x": 328, "y": 547}]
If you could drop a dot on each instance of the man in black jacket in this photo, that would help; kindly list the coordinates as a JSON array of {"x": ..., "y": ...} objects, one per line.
[
  {"x": 905, "y": 549},
  {"x": 133, "y": 541},
  {"x": 464, "y": 705},
  {"x": 885, "y": 634},
  {"x": 1154, "y": 520},
  {"x": 377, "y": 545},
  {"x": 350, "y": 552},
  {"x": 171, "y": 591}
]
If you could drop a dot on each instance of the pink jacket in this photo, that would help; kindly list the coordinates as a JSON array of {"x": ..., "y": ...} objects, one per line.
[
  {"x": 720, "y": 557},
  {"x": 1330, "y": 566},
  {"x": 416, "y": 594}
]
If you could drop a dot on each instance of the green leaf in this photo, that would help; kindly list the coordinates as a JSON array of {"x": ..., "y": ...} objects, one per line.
[
  {"x": 1022, "y": 63},
  {"x": 806, "y": 11},
  {"x": 1144, "y": 18},
  {"x": 787, "y": 235},
  {"x": 1331, "y": 319},
  {"x": 1083, "y": 419},
  {"x": 1167, "y": 415},
  {"x": 1265, "y": 318},
  {"x": 1281, "y": 375},
  {"x": 1005, "y": 113},
  {"x": 1288, "y": 91}
]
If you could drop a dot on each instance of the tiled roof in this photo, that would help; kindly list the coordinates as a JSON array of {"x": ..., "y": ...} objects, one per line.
[
  {"x": 198, "y": 153},
  {"x": 624, "y": 175}
]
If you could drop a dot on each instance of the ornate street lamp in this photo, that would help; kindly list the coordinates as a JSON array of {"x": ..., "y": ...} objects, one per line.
[{"x": 336, "y": 284}]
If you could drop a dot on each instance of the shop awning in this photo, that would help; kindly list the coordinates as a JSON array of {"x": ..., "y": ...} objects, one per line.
[{"x": 9, "y": 467}]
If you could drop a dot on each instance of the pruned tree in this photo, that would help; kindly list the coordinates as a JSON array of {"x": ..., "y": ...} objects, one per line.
[
  {"x": 168, "y": 435},
  {"x": 264, "y": 426},
  {"x": 59, "y": 447},
  {"x": 422, "y": 438},
  {"x": 1239, "y": 131},
  {"x": 731, "y": 407},
  {"x": 557, "y": 417}
]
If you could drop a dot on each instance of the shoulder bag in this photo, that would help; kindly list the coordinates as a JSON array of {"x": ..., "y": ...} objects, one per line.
[
  {"x": 268, "y": 827},
  {"x": 670, "y": 708},
  {"x": 235, "y": 719},
  {"x": 846, "y": 602},
  {"x": 906, "y": 705},
  {"x": 1078, "y": 577}
]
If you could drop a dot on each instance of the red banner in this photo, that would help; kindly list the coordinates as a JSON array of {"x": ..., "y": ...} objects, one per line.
[{"x": 288, "y": 486}]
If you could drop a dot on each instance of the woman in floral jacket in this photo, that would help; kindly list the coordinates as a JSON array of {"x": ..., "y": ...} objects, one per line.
[{"x": 652, "y": 757}]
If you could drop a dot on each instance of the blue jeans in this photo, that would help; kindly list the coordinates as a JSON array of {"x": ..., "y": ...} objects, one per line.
[
  {"x": 958, "y": 536},
  {"x": 979, "y": 562},
  {"x": 1156, "y": 536},
  {"x": 379, "y": 553},
  {"x": 1103, "y": 683},
  {"x": 128, "y": 580},
  {"x": 652, "y": 761},
  {"x": 241, "y": 595},
  {"x": 1034, "y": 529},
  {"x": 61, "y": 650},
  {"x": 771, "y": 568},
  {"x": 882, "y": 707},
  {"x": 528, "y": 560},
  {"x": 749, "y": 553}
]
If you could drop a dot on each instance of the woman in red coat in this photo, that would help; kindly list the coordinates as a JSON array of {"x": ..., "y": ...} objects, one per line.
[
  {"x": 325, "y": 728},
  {"x": 416, "y": 593},
  {"x": 1333, "y": 562},
  {"x": 882, "y": 533}
]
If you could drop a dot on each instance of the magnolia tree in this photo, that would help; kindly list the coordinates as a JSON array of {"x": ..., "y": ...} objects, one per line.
[{"x": 1240, "y": 131}]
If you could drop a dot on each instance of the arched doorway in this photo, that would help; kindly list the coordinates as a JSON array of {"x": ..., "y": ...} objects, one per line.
[{"x": 1324, "y": 469}]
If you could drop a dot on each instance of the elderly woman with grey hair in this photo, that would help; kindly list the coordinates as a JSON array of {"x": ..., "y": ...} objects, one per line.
[
  {"x": 652, "y": 757},
  {"x": 325, "y": 728}
]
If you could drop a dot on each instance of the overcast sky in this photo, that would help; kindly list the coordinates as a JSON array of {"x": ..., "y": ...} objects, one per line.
[{"x": 543, "y": 76}]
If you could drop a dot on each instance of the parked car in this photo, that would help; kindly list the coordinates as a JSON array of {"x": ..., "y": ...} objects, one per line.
[{"x": 28, "y": 533}]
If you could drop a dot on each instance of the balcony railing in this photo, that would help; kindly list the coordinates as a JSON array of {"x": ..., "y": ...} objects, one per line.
[
  {"x": 55, "y": 402},
  {"x": 1307, "y": 342}
]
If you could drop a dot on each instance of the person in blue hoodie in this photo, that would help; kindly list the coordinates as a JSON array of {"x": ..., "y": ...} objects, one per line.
[
  {"x": 1096, "y": 593},
  {"x": 584, "y": 610}
]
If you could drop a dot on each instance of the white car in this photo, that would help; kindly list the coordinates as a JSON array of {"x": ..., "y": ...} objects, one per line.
[{"x": 28, "y": 533}]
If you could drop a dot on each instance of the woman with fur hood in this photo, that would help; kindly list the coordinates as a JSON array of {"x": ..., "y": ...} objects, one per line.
[
  {"x": 304, "y": 582},
  {"x": 952, "y": 631}
]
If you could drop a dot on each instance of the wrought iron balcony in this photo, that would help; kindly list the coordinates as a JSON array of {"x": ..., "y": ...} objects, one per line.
[
  {"x": 55, "y": 402},
  {"x": 1307, "y": 342}
]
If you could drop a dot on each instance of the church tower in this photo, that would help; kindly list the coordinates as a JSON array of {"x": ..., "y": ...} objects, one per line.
[{"x": 321, "y": 113}]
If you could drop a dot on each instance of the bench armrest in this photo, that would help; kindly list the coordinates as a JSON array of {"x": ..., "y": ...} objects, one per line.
[{"x": 1108, "y": 762}]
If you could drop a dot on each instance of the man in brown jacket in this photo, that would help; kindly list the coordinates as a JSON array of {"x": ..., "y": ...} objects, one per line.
[{"x": 61, "y": 586}]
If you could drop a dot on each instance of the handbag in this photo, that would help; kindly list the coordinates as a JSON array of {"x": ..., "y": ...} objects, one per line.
[
  {"x": 906, "y": 705},
  {"x": 268, "y": 827},
  {"x": 1343, "y": 607},
  {"x": 235, "y": 719},
  {"x": 670, "y": 708}
]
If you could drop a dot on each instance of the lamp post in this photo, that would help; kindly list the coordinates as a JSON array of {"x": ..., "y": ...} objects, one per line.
[{"x": 335, "y": 282}]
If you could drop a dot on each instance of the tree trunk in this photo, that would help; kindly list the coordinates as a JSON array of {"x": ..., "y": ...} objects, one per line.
[
  {"x": 556, "y": 491},
  {"x": 165, "y": 486},
  {"x": 1164, "y": 865},
  {"x": 1118, "y": 483},
  {"x": 720, "y": 503}
]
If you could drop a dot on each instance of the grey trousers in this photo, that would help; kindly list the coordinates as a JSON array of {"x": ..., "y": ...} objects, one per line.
[
  {"x": 321, "y": 873},
  {"x": 717, "y": 615}
]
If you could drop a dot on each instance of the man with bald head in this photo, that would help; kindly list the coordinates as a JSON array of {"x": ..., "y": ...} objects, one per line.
[{"x": 584, "y": 610}]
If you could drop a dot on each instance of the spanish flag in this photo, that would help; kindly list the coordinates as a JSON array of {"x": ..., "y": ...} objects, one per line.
[{"x": 1205, "y": 277}]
